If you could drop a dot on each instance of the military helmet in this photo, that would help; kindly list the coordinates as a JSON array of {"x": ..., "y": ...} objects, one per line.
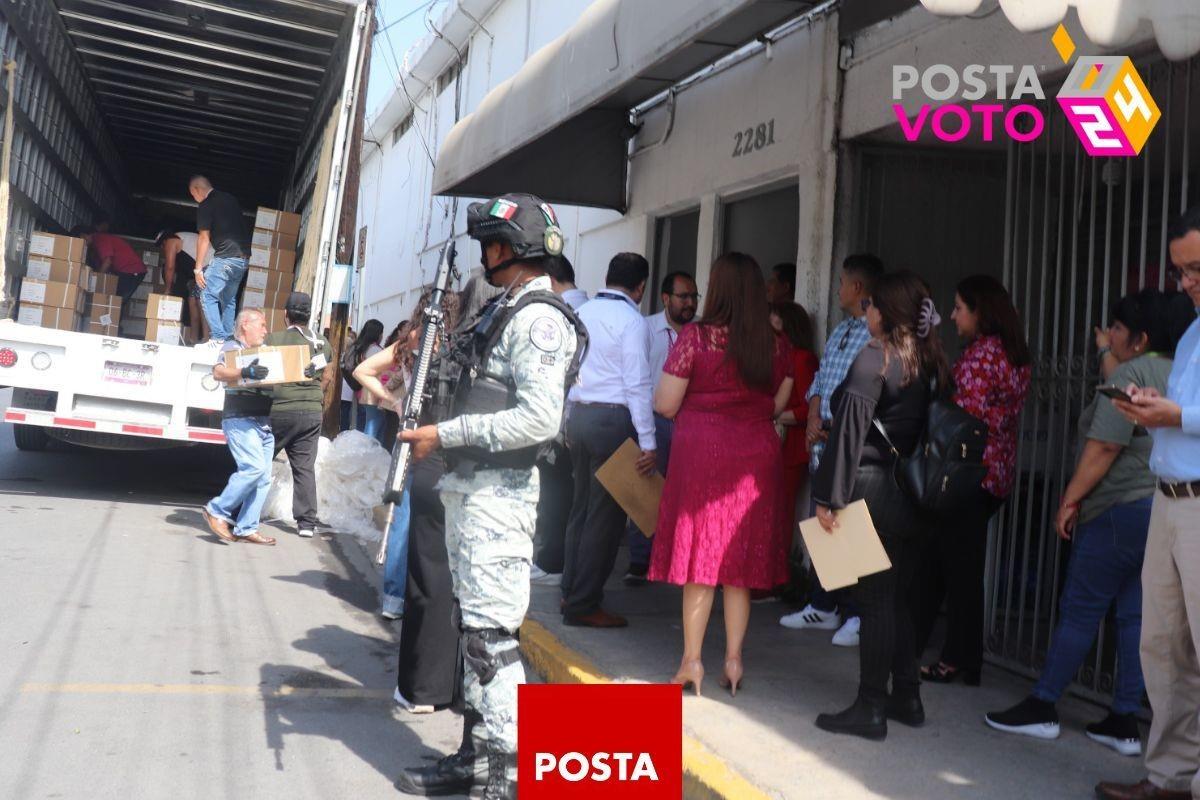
[{"x": 527, "y": 223}]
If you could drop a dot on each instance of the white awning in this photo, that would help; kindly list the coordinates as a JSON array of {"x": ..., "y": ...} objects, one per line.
[{"x": 559, "y": 127}]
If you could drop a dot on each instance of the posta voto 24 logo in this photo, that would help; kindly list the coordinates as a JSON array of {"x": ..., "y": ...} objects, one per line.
[{"x": 1104, "y": 98}]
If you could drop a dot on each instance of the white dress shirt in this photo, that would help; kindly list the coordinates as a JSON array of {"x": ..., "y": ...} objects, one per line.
[
  {"x": 662, "y": 338},
  {"x": 575, "y": 298},
  {"x": 617, "y": 367}
]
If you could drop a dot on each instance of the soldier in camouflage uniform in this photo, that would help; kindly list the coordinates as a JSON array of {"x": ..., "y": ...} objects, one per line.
[{"x": 508, "y": 403}]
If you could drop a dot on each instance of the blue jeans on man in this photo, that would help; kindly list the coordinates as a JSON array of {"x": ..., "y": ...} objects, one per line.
[
  {"x": 219, "y": 301},
  {"x": 252, "y": 445},
  {"x": 640, "y": 544},
  {"x": 395, "y": 568},
  {"x": 1105, "y": 570}
]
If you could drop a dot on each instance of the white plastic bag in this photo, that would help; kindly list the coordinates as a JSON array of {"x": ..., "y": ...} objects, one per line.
[
  {"x": 279, "y": 499},
  {"x": 350, "y": 478}
]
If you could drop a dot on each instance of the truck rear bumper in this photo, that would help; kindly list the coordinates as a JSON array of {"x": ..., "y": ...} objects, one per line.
[{"x": 48, "y": 419}]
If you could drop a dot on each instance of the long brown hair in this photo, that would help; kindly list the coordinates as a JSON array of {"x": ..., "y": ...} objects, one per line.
[
  {"x": 736, "y": 300},
  {"x": 898, "y": 296},
  {"x": 797, "y": 325},
  {"x": 451, "y": 308},
  {"x": 990, "y": 301}
]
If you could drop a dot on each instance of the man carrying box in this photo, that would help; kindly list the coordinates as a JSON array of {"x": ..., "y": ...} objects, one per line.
[
  {"x": 296, "y": 411},
  {"x": 246, "y": 422},
  {"x": 221, "y": 227}
]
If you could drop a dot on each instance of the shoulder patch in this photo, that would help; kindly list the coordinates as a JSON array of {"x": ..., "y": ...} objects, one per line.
[{"x": 546, "y": 334}]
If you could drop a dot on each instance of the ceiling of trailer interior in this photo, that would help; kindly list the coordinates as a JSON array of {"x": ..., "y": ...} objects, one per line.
[{"x": 227, "y": 88}]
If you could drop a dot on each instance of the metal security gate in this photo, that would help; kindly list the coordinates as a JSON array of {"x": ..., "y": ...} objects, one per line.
[{"x": 1079, "y": 232}]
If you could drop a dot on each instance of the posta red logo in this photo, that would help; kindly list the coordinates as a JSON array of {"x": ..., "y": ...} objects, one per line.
[{"x": 600, "y": 741}]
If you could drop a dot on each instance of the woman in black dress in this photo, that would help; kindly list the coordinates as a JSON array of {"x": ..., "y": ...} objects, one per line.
[{"x": 889, "y": 381}]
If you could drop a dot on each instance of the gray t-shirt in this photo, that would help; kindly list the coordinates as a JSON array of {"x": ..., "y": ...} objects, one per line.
[{"x": 1129, "y": 478}]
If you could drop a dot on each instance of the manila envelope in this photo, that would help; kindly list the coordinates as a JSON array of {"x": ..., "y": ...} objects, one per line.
[
  {"x": 637, "y": 495},
  {"x": 850, "y": 552}
]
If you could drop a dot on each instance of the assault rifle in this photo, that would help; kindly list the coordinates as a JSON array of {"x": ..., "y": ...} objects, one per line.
[{"x": 414, "y": 402}]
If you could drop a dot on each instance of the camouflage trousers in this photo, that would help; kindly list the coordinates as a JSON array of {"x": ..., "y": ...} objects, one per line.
[{"x": 489, "y": 540}]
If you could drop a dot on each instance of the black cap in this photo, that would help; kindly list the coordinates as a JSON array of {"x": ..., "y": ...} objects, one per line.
[{"x": 298, "y": 303}]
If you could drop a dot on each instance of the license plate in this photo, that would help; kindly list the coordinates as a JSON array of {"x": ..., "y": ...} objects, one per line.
[{"x": 130, "y": 374}]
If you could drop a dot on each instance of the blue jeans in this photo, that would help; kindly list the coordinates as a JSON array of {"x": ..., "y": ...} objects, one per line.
[
  {"x": 252, "y": 445},
  {"x": 374, "y": 421},
  {"x": 221, "y": 281},
  {"x": 395, "y": 569},
  {"x": 640, "y": 544},
  {"x": 1105, "y": 569}
]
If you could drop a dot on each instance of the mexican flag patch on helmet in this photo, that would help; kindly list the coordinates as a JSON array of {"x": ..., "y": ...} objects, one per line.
[{"x": 504, "y": 209}]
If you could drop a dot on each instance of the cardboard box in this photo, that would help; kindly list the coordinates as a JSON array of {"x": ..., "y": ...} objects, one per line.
[
  {"x": 272, "y": 258},
  {"x": 52, "y": 293},
  {"x": 257, "y": 298},
  {"x": 55, "y": 269},
  {"x": 150, "y": 258},
  {"x": 143, "y": 291},
  {"x": 100, "y": 329},
  {"x": 102, "y": 283},
  {"x": 285, "y": 363},
  {"x": 276, "y": 321},
  {"x": 133, "y": 309},
  {"x": 104, "y": 309},
  {"x": 164, "y": 332},
  {"x": 164, "y": 307},
  {"x": 133, "y": 328},
  {"x": 270, "y": 219},
  {"x": 51, "y": 245},
  {"x": 63, "y": 319},
  {"x": 274, "y": 239},
  {"x": 267, "y": 280}
]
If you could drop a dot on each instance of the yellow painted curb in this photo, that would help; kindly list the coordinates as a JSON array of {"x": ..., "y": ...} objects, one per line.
[{"x": 705, "y": 775}]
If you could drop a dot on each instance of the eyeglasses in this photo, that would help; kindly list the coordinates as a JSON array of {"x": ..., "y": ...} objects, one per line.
[
  {"x": 693, "y": 296},
  {"x": 1191, "y": 272}
]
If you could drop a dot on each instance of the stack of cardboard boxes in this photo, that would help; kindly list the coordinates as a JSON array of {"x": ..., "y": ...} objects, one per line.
[
  {"x": 272, "y": 264},
  {"x": 54, "y": 290}
]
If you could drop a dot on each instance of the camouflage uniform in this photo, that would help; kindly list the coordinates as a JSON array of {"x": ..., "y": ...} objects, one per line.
[{"x": 490, "y": 513}]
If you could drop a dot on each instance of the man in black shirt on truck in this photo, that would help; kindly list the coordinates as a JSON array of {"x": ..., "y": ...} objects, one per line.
[{"x": 220, "y": 225}]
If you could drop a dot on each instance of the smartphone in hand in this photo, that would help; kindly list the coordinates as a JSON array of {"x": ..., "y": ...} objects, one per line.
[{"x": 1114, "y": 393}]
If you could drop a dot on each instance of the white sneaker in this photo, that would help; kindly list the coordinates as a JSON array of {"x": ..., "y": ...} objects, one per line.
[
  {"x": 847, "y": 635},
  {"x": 305, "y": 533},
  {"x": 810, "y": 617},
  {"x": 211, "y": 344},
  {"x": 540, "y": 577},
  {"x": 410, "y": 706}
]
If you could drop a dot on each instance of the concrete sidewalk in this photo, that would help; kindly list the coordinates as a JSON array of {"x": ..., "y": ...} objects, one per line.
[{"x": 767, "y": 733}]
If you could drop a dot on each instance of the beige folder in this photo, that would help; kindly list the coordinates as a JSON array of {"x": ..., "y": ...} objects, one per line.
[
  {"x": 850, "y": 552},
  {"x": 638, "y": 495}
]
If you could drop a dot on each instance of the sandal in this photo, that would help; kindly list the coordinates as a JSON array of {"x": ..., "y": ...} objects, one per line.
[{"x": 941, "y": 672}]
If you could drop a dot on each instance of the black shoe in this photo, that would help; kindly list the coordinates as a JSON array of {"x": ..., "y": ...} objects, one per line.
[
  {"x": 1118, "y": 731},
  {"x": 861, "y": 719},
  {"x": 455, "y": 774},
  {"x": 1030, "y": 717},
  {"x": 908, "y": 711},
  {"x": 636, "y": 575}
]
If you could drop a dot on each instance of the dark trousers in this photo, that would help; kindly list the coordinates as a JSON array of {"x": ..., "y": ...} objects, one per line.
[
  {"x": 886, "y": 636},
  {"x": 597, "y": 522},
  {"x": 298, "y": 433},
  {"x": 430, "y": 670},
  {"x": 554, "y": 508},
  {"x": 128, "y": 284},
  {"x": 640, "y": 544},
  {"x": 950, "y": 567}
]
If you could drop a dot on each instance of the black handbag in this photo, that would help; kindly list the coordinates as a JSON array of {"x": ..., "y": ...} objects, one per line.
[{"x": 944, "y": 473}]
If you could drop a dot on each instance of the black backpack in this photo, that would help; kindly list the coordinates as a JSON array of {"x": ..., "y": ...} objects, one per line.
[{"x": 946, "y": 469}]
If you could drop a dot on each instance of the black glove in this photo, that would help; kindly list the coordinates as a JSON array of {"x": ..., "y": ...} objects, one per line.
[
  {"x": 254, "y": 371},
  {"x": 309, "y": 371}
]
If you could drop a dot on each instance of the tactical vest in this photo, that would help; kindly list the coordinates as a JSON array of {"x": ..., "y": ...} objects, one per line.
[{"x": 478, "y": 391}]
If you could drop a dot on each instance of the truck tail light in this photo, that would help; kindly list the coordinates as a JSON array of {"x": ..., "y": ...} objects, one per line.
[{"x": 8, "y": 357}]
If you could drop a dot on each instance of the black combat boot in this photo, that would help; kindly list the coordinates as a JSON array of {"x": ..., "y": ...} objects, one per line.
[
  {"x": 456, "y": 773},
  {"x": 499, "y": 787}
]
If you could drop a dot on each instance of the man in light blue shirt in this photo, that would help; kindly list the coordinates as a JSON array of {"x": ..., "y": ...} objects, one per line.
[
  {"x": 1171, "y": 568},
  {"x": 858, "y": 276}
]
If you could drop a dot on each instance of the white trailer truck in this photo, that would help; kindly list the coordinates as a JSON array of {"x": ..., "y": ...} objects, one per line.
[{"x": 117, "y": 104}]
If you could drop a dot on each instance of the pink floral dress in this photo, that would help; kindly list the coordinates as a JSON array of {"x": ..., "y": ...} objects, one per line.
[
  {"x": 722, "y": 519},
  {"x": 989, "y": 387}
]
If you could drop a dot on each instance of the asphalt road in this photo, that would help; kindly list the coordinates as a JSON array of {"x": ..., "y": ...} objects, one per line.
[{"x": 141, "y": 657}]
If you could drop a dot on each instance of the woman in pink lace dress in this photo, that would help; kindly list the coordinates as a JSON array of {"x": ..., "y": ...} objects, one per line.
[{"x": 721, "y": 522}]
